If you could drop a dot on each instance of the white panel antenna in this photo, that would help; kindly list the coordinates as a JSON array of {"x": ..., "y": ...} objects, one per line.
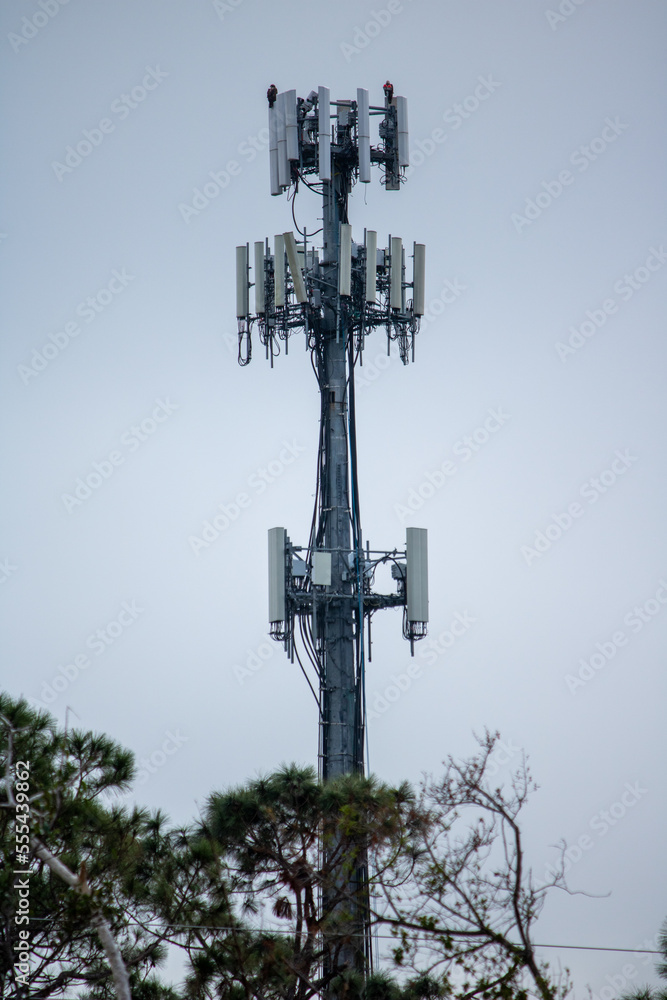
[
  {"x": 277, "y": 544},
  {"x": 321, "y": 573},
  {"x": 402, "y": 124},
  {"x": 345, "y": 258},
  {"x": 324, "y": 129},
  {"x": 418, "y": 278},
  {"x": 396, "y": 290},
  {"x": 403, "y": 279},
  {"x": 242, "y": 304},
  {"x": 295, "y": 267},
  {"x": 364, "y": 133},
  {"x": 416, "y": 558},
  {"x": 260, "y": 306},
  {"x": 371, "y": 265},
  {"x": 279, "y": 270},
  {"x": 291, "y": 126},
  {"x": 283, "y": 162},
  {"x": 273, "y": 150}
]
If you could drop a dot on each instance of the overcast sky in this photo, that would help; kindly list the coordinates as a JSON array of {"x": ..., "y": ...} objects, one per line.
[{"x": 529, "y": 437}]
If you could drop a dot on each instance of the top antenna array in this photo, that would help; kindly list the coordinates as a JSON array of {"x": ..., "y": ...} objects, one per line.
[
  {"x": 351, "y": 287},
  {"x": 304, "y": 134}
]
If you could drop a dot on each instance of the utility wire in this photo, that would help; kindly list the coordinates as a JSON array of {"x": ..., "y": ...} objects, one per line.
[
  {"x": 587, "y": 947},
  {"x": 388, "y": 937}
]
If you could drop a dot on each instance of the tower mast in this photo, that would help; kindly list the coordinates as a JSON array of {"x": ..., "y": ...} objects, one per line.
[
  {"x": 321, "y": 596},
  {"x": 341, "y": 722}
]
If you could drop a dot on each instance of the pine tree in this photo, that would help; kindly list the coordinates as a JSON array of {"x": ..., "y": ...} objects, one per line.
[{"x": 75, "y": 863}]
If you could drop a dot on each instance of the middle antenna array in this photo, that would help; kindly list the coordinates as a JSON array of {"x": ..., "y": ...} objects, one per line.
[{"x": 372, "y": 288}]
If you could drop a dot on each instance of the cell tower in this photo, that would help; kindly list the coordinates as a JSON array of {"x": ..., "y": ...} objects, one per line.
[{"x": 321, "y": 597}]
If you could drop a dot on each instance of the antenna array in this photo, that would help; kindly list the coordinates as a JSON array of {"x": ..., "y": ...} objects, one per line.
[{"x": 288, "y": 283}]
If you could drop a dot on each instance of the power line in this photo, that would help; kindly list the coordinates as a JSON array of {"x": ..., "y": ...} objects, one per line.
[
  {"x": 587, "y": 947},
  {"x": 386, "y": 937}
]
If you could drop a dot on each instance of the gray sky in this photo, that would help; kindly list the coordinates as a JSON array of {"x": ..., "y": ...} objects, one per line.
[{"x": 536, "y": 131}]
